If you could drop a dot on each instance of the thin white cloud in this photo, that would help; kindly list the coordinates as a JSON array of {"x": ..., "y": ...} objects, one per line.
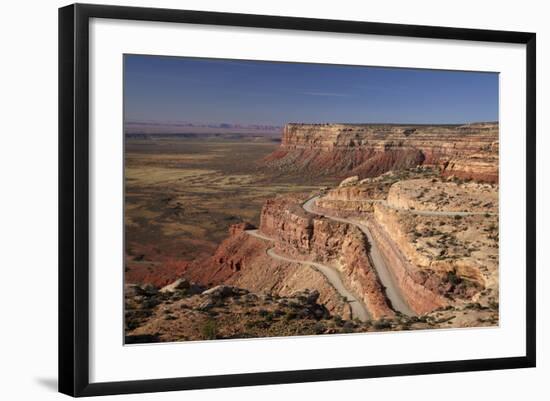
[{"x": 333, "y": 94}]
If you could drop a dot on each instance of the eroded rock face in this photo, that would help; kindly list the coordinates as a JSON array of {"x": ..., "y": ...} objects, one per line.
[
  {"x": 238, "y": 228},
  {"x": 308, "y": 237},
  {"x": 350, "y": 200},
  {"x": 359, "y": 199},
  {"x": 468, "y": 151},
  {"x": 439, "y": 236},
  {"x": 362, "y": 278},
  {"x": 297, "y": 232},
  {"x": 286, "y": 221},
  {"x": 420, "y": 298},
  {"x": 349, "y": 181},
  {"x": 241, "y": 260},
  {"x": 234, "y": 255},
  {"x": 439, "y": 260},
  {"x": 481, "y": 166},
  {"x": 437, "y": 195}
]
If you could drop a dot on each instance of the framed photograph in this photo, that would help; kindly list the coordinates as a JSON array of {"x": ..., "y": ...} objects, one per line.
[{"x": 250, "y": 199}]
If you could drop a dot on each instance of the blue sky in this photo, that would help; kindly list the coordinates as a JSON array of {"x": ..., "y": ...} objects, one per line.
[{"x": 172, "y": 89}]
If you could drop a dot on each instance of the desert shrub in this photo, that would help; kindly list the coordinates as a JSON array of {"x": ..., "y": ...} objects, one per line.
[
  {"x": 422, "y": 319},
  {"x": 382, "y": 325},
  {"x": 406, "y": 325},
  {"x": 178, "y": 294},
  {"x": 250, "y": 324},
  {"x": 150, "y": 303},
  {"x": 278, "y": 312},
  {"x": 319, "y": 328},
  {"x": 453, "y": 278},
  {"x": 291, "y": 316},
  {"x": 445, "y": 320},
  {"x": 212, "y": 313},
  {"x": 132, "y": 324},
  {"x": 209, "y": 330}
]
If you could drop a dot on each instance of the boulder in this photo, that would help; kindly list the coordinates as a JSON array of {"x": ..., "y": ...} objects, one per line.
[
  {"x": 132, "y": 290},
  {"x": 223, "y": 291},
  {"x": 150, "y": 289},
  {"x": 179, "y": 284}
]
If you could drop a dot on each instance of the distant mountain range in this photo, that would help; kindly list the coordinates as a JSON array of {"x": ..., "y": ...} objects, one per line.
[{"x": 179, "y": 127}]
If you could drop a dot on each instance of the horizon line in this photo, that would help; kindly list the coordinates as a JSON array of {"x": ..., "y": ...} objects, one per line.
[{"x": 228, "y": 126}]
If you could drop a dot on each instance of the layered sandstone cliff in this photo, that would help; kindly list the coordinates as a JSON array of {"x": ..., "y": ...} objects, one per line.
[
  {"x": 311, "y": 237},
  {"x": 438, "y": 236},
  {"x": 434, "y": 195},
  {"x": 467, "y": 151},
  {"x": 242, "y": 260},
  {"x": 455, "y": 260}
]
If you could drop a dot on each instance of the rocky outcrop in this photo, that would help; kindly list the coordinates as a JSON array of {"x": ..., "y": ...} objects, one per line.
[
  {"x": 369, "y": 150},
  {"x": 230, "y": 312},
  {"x": 420, "y": 297},
  {"x": 308, "y": 237},
  {"x": 478, "y": 166},
  {"x": 440, "y": 195},
  {"x": 288, "y": 223},
  {"x": 238, "y": 228},
  {"x": 345, "y": 208},
  {"x": 349, "y": 181},
  {"x": 428, "y": 278},
  {"x": 241, "y": 260},
  {"x": 349, "y": 200}
]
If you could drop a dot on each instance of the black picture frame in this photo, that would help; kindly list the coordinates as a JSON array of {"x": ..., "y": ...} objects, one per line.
[{"x": 74, "y": 192}]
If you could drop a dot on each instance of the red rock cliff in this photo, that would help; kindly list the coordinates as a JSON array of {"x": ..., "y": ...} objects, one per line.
[{"x": 369, "y": 150}]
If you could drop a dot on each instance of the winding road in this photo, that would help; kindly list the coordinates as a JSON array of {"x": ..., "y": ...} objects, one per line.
[
  {"x": 392, "y": 290},
  {"x": 421, "y": 212},
  {"x": 358, "y": 309}
]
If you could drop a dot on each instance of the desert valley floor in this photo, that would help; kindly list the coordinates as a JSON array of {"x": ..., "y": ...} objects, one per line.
[{"x": 333, "y": 228}]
